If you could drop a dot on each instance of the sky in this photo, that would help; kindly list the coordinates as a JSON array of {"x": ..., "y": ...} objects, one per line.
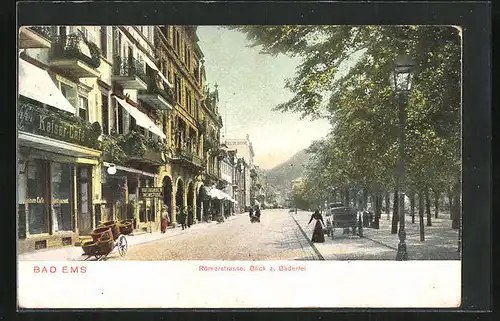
[{"x": 250, "y": 86}]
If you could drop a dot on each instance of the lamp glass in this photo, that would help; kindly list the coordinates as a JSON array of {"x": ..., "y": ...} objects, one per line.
[{"x": 111, "y": 170}]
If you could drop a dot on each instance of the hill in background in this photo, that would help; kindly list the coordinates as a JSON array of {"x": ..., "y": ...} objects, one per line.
[{"x": 281, "y": 175}]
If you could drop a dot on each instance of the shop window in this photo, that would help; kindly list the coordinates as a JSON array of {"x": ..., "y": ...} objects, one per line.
[
  {"x": 40, "y": 245},
  {"x": 37, "y": 196},
  {"x": 62, "y": 219}
]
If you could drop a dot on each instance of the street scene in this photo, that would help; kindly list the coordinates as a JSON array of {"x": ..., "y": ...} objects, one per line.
[{"x": 247, "y": 143}]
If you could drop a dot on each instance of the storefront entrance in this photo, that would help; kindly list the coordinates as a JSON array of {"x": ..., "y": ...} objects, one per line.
[{"x": 84, "y": 199}]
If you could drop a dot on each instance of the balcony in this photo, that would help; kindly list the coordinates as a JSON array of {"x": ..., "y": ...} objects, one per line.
[
  {"x": 74, "y": 54},
  {"x": 129, "y": 73},
  {"x": 134, "y": 147},
  {"x": 188, "y": 158},
  {"x": 155, "y": 96},
  {"x": 34, "y": 37}
]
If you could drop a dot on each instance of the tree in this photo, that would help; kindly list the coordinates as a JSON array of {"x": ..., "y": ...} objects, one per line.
[{"x": 361, "y": 150}]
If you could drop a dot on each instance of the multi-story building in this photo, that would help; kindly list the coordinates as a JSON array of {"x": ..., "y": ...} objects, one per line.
[
  {"x": 61, "y": 74},
  {"x": 227, "y": 163},
  {"x": 244, "y": 151},
  {"x": 181, "y": 60},
  {"x": 104, "y": 111}
]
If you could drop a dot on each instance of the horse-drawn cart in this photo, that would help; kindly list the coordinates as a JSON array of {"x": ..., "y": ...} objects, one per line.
[
  {"x": 345, "y": 218},
  {"x": 106, "y": 238}
]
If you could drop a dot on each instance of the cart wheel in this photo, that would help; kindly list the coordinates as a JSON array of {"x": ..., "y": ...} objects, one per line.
[{"x": 122, "y": 245}]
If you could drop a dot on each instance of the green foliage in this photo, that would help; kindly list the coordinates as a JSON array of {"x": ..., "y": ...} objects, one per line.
[{"x": 362, "y": 148}]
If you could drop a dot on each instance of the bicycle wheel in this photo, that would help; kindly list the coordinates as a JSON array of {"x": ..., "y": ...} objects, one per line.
[{"x": 122, "y": 245}]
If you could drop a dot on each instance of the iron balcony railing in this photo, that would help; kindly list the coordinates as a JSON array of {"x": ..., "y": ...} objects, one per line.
[
  {"x": 153, "y": 88},
  {"x": 129, "y": 67},
  {"x": 68, "y": 47},
  {"x": 43, "y": 31}
]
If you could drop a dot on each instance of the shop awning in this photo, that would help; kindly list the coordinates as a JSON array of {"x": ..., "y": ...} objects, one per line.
[
  {"x": 142, "y": 119},
  {"x": 35, "y": 83},
  {"x": 53, "y": 147},
  {"x": 215, "y": 193}
]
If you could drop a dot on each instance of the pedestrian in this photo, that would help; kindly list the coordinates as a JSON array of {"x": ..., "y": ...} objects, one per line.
[
  {"x": 164, "y": 219},
  {"x": 318, "y": 235},
  {"x": 184, "y": 218},
  {"x": 190, "y": 216},
  {"x": 250, "y": 212}
]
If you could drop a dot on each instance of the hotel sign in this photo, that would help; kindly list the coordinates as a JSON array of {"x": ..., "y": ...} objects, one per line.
[
  {"x": 151, "y": 192},
  {"x": 38, "y": 120}
]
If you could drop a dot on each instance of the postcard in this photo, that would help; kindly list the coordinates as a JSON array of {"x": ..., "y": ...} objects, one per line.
[{"x": 283, "y": 166}]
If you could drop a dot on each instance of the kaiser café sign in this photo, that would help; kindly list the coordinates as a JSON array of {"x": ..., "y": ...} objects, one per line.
[{"x": 37, "y": 120}]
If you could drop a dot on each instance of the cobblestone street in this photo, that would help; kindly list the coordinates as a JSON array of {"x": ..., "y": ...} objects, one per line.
[{"x": 277, "y": 237}]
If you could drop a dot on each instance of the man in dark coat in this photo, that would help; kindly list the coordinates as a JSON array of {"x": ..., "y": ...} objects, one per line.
[{"x": 182, "y": 217}]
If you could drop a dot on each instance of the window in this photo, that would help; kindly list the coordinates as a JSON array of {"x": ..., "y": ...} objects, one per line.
[
  {"x": 178, "y": 42},
  {"x": 62, "y": 219},
  {"x": 186, "y": 102},
  {"x": 132, "y": 124},
  {"x": 119, "y": 121},
  {"x": 104, "y": 41},
  {"x": 178, "y": 89},
  {"x": 37, "y": 194},
  {"x": 196, "y": 109},
  {"x": 69, "y": 92},
  {"x": 105, "y": 114},
  {"x": 116, "y": 41},
  {"x": 83, "y": 108}
]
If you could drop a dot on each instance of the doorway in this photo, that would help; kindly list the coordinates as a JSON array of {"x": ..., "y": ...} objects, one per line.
[{"x": 84, "y": 199}]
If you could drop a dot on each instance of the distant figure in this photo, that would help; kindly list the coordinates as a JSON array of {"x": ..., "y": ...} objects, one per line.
[
  {"x": 190, "y": 216},
  {"x": 318, "y": 235},
  {"x": 250, "y": 212},
  {"x": 257, "y": 211},
  {"x": 164, "y": 219},
  {"x": 182, "y": 218}
]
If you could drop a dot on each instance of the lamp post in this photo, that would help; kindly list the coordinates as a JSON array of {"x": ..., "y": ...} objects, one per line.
[{"x": 401, "y": 80}]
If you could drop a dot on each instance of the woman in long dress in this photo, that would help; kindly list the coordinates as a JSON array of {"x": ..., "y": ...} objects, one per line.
[{"x": 318, "y": 235}]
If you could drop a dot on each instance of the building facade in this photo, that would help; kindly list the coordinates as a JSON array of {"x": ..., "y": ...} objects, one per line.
[
  {"x": 245, "y": 153},
  {"x": 103, "y": 112},
  {"x": 59, "y": 192}
]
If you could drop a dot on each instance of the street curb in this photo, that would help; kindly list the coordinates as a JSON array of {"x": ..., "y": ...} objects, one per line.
[
  {"x": 378, "y": 242},
  {"x": 311, "y": 244}
]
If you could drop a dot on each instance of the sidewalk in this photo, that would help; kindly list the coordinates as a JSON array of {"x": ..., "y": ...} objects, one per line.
[
  {"x": 440, "y": 243},
  {"x": 74, "y": 253}
]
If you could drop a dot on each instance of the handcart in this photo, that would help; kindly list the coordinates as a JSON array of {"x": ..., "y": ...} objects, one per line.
[{"x": 106, "y": 238}]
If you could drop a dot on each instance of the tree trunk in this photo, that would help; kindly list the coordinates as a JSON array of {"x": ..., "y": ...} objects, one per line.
[
  {"x": 365, "y": 198},
  {"x": 450, "y": 201},
  {"x": 428, "y": 207},
  {"x": 421, "y": 215},
  {"x": 378, "y": 209},
  {"x": 437, "y": 195},
  {"x": 395, "y": 212},
  {"x": 347, "y": 200},
  {"x": 387, "y": 204},
  {"x": 412, "y": 206},
  {"x": 455, "y": 223},
  {"x": 354, "y": 197}
]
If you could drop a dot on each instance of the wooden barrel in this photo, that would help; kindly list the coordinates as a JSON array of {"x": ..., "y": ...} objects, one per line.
[
  {"x": 100, "y": 232},
  {"x": 89, "y": 248},
  {"x": 105, "y": 244},
  {"x": 125, "y": 228}
]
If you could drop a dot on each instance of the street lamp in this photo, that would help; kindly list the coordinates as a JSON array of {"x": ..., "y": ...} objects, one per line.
[{"x": 401, "y": 80}]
